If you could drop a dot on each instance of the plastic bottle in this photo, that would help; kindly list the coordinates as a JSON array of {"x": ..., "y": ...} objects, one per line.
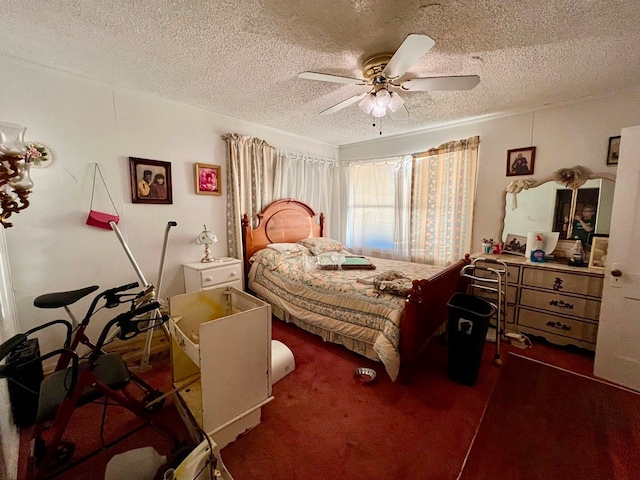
[
  {"x": 537, "y": 254},
  {"x": 576, "y": 253}
]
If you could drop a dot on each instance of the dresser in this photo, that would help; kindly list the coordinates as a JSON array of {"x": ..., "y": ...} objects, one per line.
[
  {"x": 552, "y": 300},
  {"x": 204, "y": 276}
]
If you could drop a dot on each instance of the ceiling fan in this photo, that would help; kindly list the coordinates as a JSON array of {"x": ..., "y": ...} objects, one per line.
[{"x": 382, "y": 71}]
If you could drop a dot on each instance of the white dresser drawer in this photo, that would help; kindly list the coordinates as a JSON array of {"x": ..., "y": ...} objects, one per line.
[
  {"x": 204, "y": 276},
  {"x": 563, "y": 282},
  {"x": 219, "y": 275},
  {"x": 562, "y": 304}
]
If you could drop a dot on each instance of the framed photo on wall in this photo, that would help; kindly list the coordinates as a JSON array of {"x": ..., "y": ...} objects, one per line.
[
  {"x": 208, "y": 181},
  {"x": 150, "y": 181},
  {"x": 520, "y": 161},
  {"x": 614, "y": 151}
]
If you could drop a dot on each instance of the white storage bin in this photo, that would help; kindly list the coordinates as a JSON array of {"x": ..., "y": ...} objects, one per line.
[{"x": 221, "y": 359}]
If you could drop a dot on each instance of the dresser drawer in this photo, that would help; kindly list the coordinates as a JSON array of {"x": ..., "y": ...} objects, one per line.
[
  {"x": 558, "y": 326},
  {"x": 562, "y": 304},
  {"x": 219, "y": 275},
  {"x": 562, "y": 282},
  {"x": 513, "y": 271},
  {"x": 512, "y": 293}
]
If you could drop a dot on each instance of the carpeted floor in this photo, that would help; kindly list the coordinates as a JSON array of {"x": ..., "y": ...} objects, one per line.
[
  {"x": 325, "y": 424},
  {"x": 546, "y": 423}
]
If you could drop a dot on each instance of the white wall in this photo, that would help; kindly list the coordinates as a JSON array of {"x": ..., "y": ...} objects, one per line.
[
  {"x": 564, "y": 136},
  {"x": 50, "y": 247}
]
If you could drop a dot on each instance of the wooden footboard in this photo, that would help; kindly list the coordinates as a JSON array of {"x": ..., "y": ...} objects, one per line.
[{"x": 425, "y": 311}]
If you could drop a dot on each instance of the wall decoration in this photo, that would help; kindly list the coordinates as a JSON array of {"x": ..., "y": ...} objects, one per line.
[
  {"x": 520, "y": 161},
  {"x": 39, "y": 155},
  {"x": 614, "y": 151},
  {"x": 515, "y": 244},
  {"x": 208, "y": 181},
  {"x": 599, "y": 249},
  {"x": 150, "y": 181}
]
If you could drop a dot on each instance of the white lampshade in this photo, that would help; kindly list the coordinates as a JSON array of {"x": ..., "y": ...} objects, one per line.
[
  {"x": 396, "y": 102},
  {"x": 367, "y": 103},
  {"x": 383, "y": 97},
  {"x": 379, "y": 111},
  {"x": 12, "y": 139}
]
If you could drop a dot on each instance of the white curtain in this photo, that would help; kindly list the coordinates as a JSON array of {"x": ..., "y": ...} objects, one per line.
[
  {"x": 310, "y": 179},
  {"x": 378, "y": 204}
]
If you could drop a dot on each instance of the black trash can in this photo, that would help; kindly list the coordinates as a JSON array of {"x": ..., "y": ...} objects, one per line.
[{"x": 467, "y": 327}]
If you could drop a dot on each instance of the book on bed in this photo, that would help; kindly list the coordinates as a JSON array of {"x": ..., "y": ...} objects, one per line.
[{"x": 350, "y": 263}]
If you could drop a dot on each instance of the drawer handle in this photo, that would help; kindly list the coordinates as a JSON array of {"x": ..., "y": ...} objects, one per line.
[
  {"x": 557, "y": 284},
  {"x": 208, "y": 279},
  {"x": 561, "y": 304},
  {"x": 234, "y": 274},
  {"x": 559, "y": 326}
]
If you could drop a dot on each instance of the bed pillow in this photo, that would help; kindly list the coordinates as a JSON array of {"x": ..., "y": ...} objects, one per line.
[
  {"x": 289, "y": 249},
  {"x": 268, "y": 257},
  {"x": 320, "y": 245}
]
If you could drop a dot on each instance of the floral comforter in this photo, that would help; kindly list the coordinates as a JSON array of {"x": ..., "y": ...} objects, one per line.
[{"x": 335, "y": 300}]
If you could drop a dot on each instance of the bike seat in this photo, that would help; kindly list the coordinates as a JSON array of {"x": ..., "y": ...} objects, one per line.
[{"x": 62, "y": 299}]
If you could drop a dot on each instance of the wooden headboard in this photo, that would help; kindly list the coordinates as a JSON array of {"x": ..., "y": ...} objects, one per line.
[{"x": 283, "y": 221}]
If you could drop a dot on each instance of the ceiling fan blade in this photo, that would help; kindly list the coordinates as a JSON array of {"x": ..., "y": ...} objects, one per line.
[
  {"x": 466, "y": 82},
  {"x": 343, "y": 104},
  {"x": 325, "y": 77},
  {"x": 411, "y": 50}
]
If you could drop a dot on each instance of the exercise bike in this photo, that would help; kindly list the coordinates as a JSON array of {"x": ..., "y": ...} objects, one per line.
[{"x": 80, "y": 379}]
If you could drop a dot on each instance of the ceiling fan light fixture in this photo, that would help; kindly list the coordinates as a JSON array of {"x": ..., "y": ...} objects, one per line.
[
  {"x": 367, "y": 103},
  {"x": 379, "y": 111},
  {"x": 396, "y": 102},
  {"x": 383, "y": 97}
]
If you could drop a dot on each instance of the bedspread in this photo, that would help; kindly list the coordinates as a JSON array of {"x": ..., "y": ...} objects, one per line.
[{"x": 336, "y": 301}]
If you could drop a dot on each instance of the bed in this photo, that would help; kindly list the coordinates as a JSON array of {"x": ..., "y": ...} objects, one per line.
[{"x": 342, "y": 305}]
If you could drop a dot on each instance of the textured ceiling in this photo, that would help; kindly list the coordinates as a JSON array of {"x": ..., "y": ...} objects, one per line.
[{"x": 241, "y": 58}]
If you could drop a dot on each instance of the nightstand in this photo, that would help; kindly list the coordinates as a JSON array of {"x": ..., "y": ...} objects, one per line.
[{"x": 205, "y": 276}]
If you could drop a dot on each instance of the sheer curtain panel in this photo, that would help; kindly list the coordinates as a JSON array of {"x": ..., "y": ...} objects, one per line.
[{"x": 443, "y": 192}]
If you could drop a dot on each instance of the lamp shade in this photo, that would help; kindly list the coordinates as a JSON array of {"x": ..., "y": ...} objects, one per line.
[
  {"x": 12, "y": 139},
  {"x": 396, "y": 102},
  {"x": 367, "y": 103},
  {"x": 383, "y": 97},
  {"x": 206, "y": 237}
]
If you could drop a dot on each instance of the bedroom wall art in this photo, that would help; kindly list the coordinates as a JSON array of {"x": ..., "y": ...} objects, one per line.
[
  {"x": 520, "y": 161},
  {"x": 208, "y": 181},
  {"x": 614, "y": 150},
  {"x": 150, "y": 181}
]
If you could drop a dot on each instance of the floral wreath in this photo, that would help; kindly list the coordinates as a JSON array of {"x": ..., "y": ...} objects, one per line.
[{"x": 38, "y": 155}]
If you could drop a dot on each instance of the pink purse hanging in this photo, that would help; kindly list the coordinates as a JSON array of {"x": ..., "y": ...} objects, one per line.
[{"x": 101, "y": 219}]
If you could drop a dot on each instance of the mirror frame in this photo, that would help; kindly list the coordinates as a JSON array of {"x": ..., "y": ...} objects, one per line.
[{"x": 551, "y": 178}]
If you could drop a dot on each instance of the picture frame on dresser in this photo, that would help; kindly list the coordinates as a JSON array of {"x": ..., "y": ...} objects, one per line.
[{"x": 599, "y": 249}]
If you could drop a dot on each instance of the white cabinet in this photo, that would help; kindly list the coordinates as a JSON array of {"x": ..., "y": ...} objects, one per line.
[
  {"x": 221, "y": 359},
  {"x": 203, "y": 276}
]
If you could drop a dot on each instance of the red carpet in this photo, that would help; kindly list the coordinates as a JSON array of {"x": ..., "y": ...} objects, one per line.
[
  {"x": 547, "y": 423},
  {"x": 325, "y": 424}
]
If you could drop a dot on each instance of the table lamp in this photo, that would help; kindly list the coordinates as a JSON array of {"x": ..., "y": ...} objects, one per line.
[{"x": 206, "y": 238}]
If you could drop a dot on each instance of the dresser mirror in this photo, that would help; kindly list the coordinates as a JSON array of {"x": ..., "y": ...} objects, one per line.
[{"x": 550, "y": 206}]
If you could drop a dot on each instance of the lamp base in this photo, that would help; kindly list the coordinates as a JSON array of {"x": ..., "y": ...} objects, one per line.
[{"x": 207, "y": 259}]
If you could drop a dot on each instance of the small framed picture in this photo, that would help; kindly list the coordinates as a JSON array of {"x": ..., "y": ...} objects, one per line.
[
  {"x": 208, "y": 181},
  {"x": 150, "y": 181},
  {"x": 599, "y": 249},
  {"x": 520, "y": 161},
  {"x": 515, "y": 244},
  {"x": 614, "y": 151}
]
